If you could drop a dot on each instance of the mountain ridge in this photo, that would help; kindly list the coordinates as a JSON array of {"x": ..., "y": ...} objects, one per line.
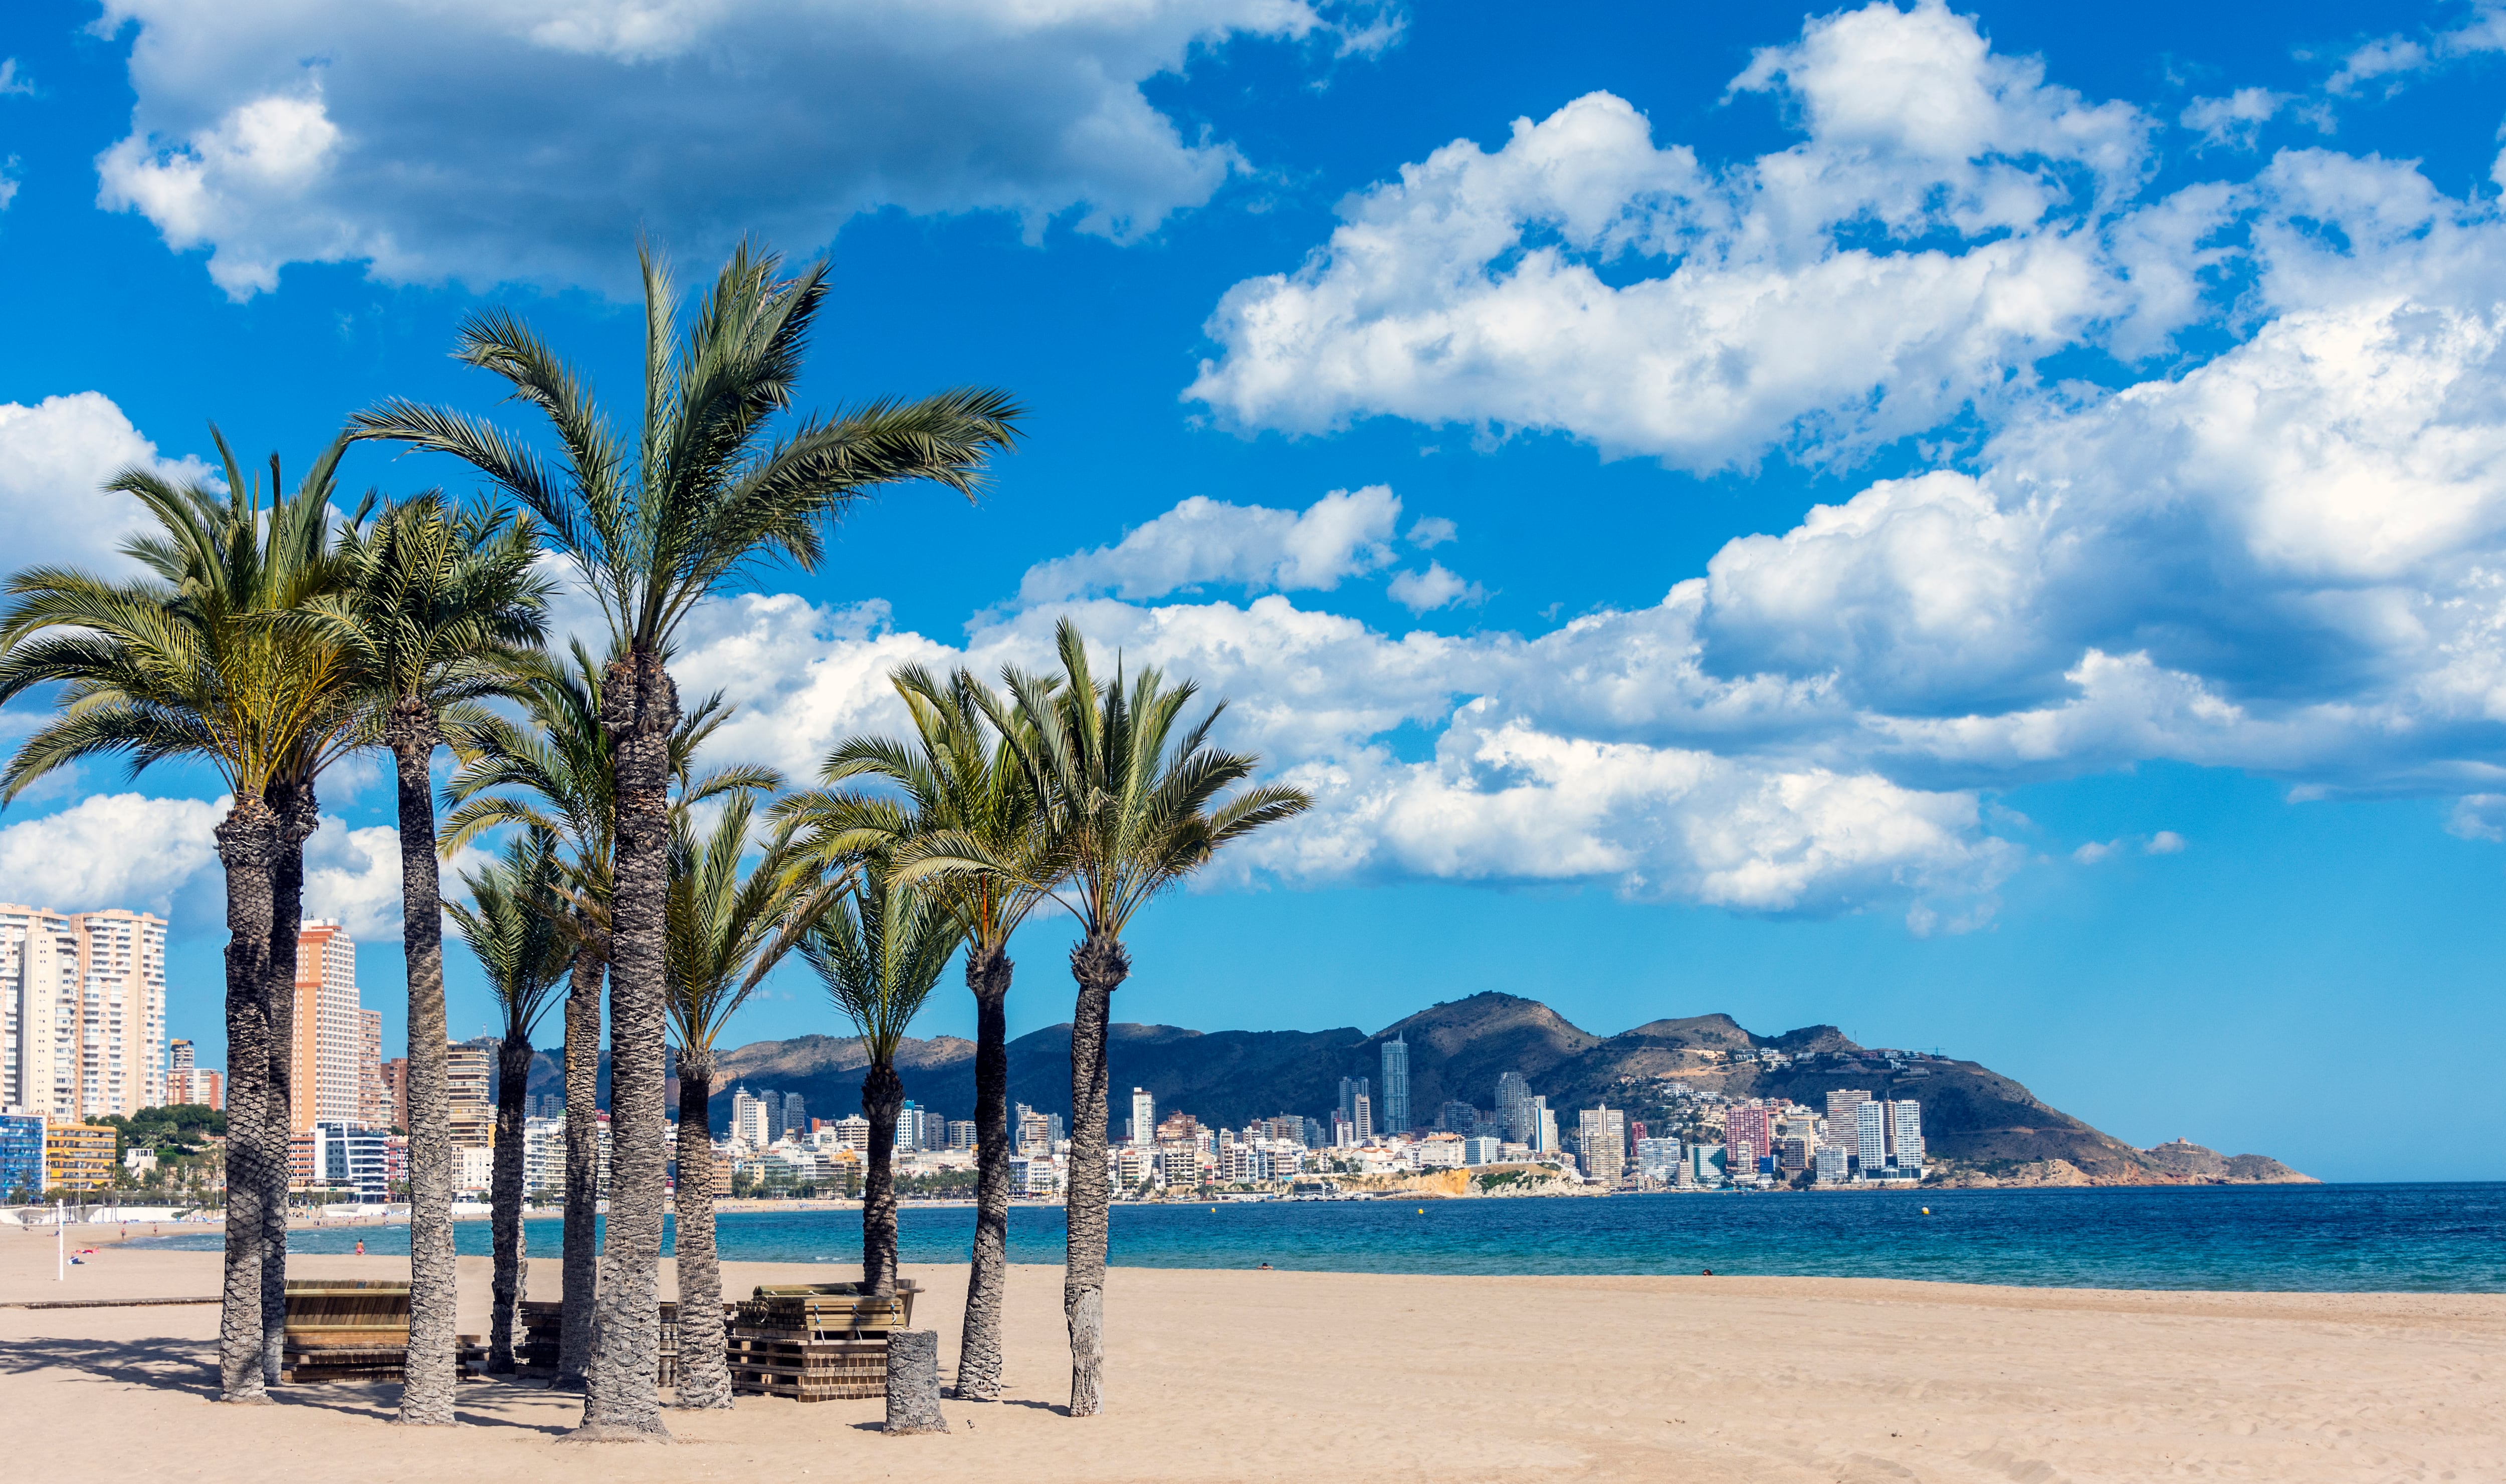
[{"x": 1979, "y": 1126}]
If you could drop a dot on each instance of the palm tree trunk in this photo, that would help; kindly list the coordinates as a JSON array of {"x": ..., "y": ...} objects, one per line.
[
  {"x": 979, "y": 1348},
  {"x": 581, "y": 1171},
  {"x": 247, "y": 848},
  {"x": 621, "y": 1400},
  {"x": 298, "y": 815},
  {"x": 882, "y": 1099},
  {"x": 513, "y": 1089},
  {"x": 1099, "y": 963},
  {"x": 705, "y": 1372},
  {"x": 434, "y": 1283}
]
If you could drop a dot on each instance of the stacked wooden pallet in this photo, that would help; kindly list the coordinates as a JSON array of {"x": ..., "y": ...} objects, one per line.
[
  {"x": 345, "y": 1330},
  {"x": 543, "y": 1324},
  {"x": 825, "y": 1342}
]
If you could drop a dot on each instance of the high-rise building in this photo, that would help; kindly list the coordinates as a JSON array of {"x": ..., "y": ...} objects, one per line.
[
  {"x": 1351, "y": 1088},
  {"x": 1396, "y": 1085},
  {"x": 1457, "y": 1116},
  {"x": 796, "y": 1118},
  {"x": 1361, "y": 1116},
  {"x": 1601, "y": 1141},
  {"x": 374, "y": 1099},
  {"x": 961, "y": 1133},
  {"x": 78, "y": 1156},
  {"x": 81, "y": 1012},
  {"x": 1871, "y": 1137},
  {"x": 750, "y": 1122},
  {"x": 1144, "y": 1116},
  {"x": 466, "y": 1069},
  {"x": 396, "y": 1092},
  {"x": 1748, "y": 1137},
  {"x": 1657, "y": 1160},
  {"x": 326, "y": 1075},
  {"x": 1842, "y": 1102},
  {"x": 1905, "y": 1137},
  {"x": 186, "y": 1081},
  {"x": 1513, "y": 1105}
]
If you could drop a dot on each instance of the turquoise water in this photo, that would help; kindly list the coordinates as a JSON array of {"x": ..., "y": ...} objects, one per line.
[{"x": 2435, "y": 1238}]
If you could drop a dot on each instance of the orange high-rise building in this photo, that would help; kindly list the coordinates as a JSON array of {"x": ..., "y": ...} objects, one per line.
[{"x": 327, "y": 1077}]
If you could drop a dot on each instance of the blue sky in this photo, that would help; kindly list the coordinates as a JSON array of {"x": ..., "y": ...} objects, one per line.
[{"x": 1986, "y": 526}]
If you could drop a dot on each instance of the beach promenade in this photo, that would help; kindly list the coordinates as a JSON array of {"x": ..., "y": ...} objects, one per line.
[{"x": 1300, "y": 1376}]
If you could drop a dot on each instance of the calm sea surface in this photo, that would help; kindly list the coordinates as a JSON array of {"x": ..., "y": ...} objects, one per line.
[{"x": 2440, "y": 1238}]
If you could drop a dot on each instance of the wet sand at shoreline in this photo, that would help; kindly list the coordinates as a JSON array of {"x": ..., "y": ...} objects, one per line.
[{"x": 1220, "y": 1375}]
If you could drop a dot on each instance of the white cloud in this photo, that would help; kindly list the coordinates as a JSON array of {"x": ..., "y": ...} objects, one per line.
[
  {"x": 2165, "y": 842},
  {"x": 11, "y": 84},
  {"x": 55, "y": 458},
  {"x": 1435, "y": 588},
  {"x": 1945, "y": 223},
  {"x": 2393, "y": 58},
  {"x": 2478, "y": 817},
  {"x": 352, "y": 877},
  {"x": 109, "y": 850},
  {"x": 2095, "y": 851},
  {"x": 1345, "y": 534},
  {"x": 1429, "y": 530},
  {"x": 488, "y": 141},
  {"x": 2235, "y": 120}
]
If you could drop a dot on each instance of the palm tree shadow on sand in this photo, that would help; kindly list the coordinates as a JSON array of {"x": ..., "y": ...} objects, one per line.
[{"x": 190, "y": 1367}]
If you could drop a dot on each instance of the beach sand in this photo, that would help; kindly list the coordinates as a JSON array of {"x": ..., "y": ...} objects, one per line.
[{"x": 1359, "y": 1379}]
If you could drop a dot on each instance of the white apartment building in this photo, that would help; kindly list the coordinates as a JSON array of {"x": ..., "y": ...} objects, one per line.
[{"x": 82, "y": 1011}]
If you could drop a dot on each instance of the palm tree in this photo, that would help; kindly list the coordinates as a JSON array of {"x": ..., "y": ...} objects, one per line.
[
  {"x": 728, "y": 931},
  {"x": 437, "y": 608},
  {"x": 197, "y": 659},
  {"x": 1132, "y": 806},
  {"x": 964, "y": 798},
  {"x": 879, "y": 952},
  {"x": 551, "y": 772},
  {"x": 511, "y": 926},
  {"x": 655, "y": 528}
]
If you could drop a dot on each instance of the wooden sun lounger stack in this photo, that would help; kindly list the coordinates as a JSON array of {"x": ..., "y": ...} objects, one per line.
[
  {"x": 825, "y": 1342},
  {"x": 345, "y": 1330},
  {"x": 543, "y": 1325}
]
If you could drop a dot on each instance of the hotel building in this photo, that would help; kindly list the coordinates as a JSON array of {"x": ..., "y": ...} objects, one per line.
[{"x": 81, "y": 1012}]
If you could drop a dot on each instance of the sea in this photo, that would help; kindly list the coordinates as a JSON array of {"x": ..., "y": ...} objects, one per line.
[{"x": 2333, "y": 1238}]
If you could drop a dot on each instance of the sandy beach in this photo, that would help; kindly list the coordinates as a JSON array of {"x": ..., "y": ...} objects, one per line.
[{"x": 1295, "y": 1376}]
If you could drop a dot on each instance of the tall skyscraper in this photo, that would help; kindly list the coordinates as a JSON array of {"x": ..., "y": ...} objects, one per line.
[
  {"x": 373, "y": 1098},
  {"x": 1601, "y": 1141},
  {"x": 1396, "y": 1085},
  {"x": 1871, "y": 1137},
  {"x": 1351, "y": 1088},
  {"x": 1748, "y": 1137},
  {"x": 1906, "y": 1135},
  {"x": 750, "y": 1123},
  {"x": 1361, "y": 1116},
  {"x": 1144, "y": 1117},
  {"x": 796, "y": 1118},
  {"x": 326, "y": 1077},
  {"x": 1842, "y": 1125},
  {"x": 396, "y": 1092},
  {"x": 81, "y": 1012},
  {"x": 1513, "y": 1105},
  {"x": 467, "y": 1066}
]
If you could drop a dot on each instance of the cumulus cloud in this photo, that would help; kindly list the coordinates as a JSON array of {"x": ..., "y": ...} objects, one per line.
[
  {"x": 486, "y": 141},
  {"x": 2478, "y": 817},
  {"x": 1345, "y": 534},
  {"x": 55, "y": 458},
  {"x": 109, "y": 850},
  {"x": 1435, "y": 588},
  {"x": 2385, "y": 64},
  {"x": 1949, "y": 219},
  {"x": 2235, "y": 120}
]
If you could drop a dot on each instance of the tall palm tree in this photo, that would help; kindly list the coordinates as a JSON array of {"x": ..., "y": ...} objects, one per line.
[
  {"x": 728, "y": 931},
  {"x": 550, "y": 771},
  {"x": 1131, "y": 805},
  {"x": 511, "y": 926},
  {"x": 199, "y": 659},
  {"x": 703, "y": 492},
  {"x": 879, "y": 952},
  {"x": 959, "y": 797},
  {"x": 437, "y": 608}
]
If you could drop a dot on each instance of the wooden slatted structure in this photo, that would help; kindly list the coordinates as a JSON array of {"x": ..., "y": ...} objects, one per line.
[
  {"x": 816, "y": 1342},
  {"x": 345, "y": 1330},
  {"x": 543, "y": 1325}
]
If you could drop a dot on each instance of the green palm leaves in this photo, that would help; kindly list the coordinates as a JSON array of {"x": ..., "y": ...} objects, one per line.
[
  {"x": 1130, "y": 800},
  {"x": 709, "y": 486},
  {"x": 512, "y": 927},
  {"x": 879, "y": 952},
  {"x": 728, "y": 927},
  {"x": 199, "y": 658}
]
